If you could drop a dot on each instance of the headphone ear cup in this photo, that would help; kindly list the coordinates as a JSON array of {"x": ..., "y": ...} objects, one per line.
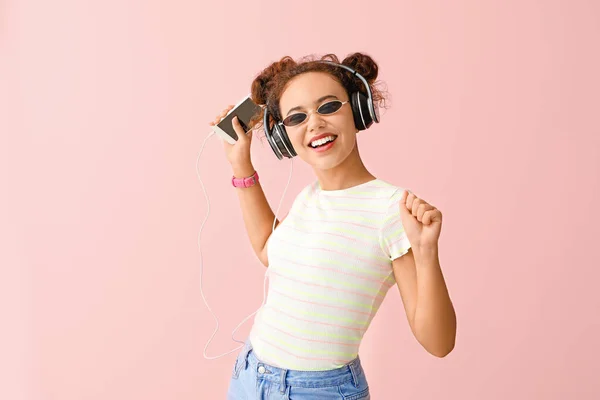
[
  {"x": 269, "y": 134},
  {"x": 360, "y": 111},
  {"x": 288, "y": 143},
  {"x": 282, "y": 142},
  {"x": 272, "y": 143},
  {"x": 277, "y": 138}
]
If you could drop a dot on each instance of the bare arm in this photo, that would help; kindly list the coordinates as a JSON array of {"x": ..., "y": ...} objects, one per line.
[
  {"x": 258, "y": 216},
  {"x": 426, "y": 300}
]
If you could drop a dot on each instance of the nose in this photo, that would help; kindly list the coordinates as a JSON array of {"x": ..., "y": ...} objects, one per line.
[{"x": 314, "y": 121}]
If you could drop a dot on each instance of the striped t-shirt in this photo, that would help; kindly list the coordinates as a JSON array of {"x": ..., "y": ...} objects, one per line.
[{"x": 330, "y": 267}]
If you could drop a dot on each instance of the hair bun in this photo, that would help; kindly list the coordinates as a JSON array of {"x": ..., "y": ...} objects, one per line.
[
  {"x": 263, "y": 83},
  {"x": 363, "y": 64}
]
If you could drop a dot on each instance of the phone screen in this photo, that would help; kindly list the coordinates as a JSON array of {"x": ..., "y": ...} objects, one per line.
[{"x": 246, "y": 110}]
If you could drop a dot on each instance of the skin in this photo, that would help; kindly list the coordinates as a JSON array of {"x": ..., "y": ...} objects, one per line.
[
  {"x": 418, "y": 273},
  {"x": 341, "y": 167}
]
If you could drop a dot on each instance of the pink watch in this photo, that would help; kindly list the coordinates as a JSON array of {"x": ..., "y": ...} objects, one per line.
[{"x": 245, "y": 182}]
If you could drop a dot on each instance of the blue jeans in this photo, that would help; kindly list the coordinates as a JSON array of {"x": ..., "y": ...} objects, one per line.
[{"x": 254, "y": 380}]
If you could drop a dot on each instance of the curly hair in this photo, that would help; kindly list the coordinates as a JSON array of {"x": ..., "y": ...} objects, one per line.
[{"x": 269, "y": 85}]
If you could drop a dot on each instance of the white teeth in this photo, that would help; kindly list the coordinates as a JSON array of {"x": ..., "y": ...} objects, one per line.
[{"x": 321, "y": 141}]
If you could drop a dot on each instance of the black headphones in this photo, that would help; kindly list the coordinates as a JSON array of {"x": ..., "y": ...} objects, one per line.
[{"x": 363, "y": 111}]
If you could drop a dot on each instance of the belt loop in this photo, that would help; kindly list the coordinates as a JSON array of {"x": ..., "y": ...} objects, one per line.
[
  {"x": 246, "y": 351},
  {"x": 282, "y": 385},
  {"x": 355, "y": 372},
  {"x": 241, "y": 362}
]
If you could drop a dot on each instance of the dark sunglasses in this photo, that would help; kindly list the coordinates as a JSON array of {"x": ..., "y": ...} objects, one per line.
[{"x": 331, "y": 107}]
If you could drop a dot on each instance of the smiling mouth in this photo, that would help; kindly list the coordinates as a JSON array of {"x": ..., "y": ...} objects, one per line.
[{"x": 323, "y": 141}]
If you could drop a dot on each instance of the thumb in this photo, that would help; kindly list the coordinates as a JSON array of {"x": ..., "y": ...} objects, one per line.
[
  {"x": 403, "y": 208},
  {"x": 242, "y": 136}
]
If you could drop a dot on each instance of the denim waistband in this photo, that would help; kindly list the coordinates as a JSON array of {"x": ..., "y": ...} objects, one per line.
[{"x": 309, "y": 379}]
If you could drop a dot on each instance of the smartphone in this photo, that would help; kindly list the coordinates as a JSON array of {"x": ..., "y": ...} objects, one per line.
[{"x": 245, "y": 110}]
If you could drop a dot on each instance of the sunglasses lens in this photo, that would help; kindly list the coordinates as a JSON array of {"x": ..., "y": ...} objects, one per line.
[
  {"x": 294, "y": 119},
  {"x": 330, "y": 107},
  {"x": 325, "y": 109}
]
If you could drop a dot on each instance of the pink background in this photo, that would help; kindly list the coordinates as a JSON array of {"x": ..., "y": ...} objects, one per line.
[{"x": 105, "y": 104}]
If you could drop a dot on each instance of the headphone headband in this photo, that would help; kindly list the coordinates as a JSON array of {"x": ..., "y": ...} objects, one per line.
[{"x": 363, "y": 80}]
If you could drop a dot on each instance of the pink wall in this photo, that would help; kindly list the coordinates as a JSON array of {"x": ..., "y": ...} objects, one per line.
[{"x": 105, "y": 104}]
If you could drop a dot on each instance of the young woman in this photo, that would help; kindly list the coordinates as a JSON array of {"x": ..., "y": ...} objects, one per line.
[{"x": 347, "y": 239}]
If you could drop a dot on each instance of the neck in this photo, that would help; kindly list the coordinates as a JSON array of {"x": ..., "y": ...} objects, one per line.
[{"x": 349, "y": 173}]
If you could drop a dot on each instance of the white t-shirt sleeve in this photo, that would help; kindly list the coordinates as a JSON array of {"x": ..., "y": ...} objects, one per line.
[{"x": 392, "y": 236}]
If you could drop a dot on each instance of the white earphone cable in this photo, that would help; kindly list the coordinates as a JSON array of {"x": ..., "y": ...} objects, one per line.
[{"x": 201, "y": 262}]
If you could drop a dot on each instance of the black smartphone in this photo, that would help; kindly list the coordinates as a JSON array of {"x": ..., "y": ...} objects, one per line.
[{"x": 246, "y": 110}]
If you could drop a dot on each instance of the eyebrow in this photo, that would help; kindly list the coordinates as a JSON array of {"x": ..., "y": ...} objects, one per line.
[{"x": 320, "y": 99}]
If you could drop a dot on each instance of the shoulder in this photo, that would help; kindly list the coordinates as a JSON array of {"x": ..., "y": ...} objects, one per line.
[
  {"x": 308, "y": 191},
  {"x": 304, "y": 195},
  {"x": 388, "y": 192}
]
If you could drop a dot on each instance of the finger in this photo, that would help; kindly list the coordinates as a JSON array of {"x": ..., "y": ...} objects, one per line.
[
  {"x": 436, "y": 216},
  {"x": 409, "y": 201},
  {"x": 225, "y": 112},
  {"x": 222, "y": 115},
  {"x": 242, "y": 136},
  {"x": 403, "y": 199},
  {"x": 427, "y": 217},
  {"x": 433, "y": 215},
  {"x": 414, "y": 208},
  {"x": 423, "y": 207}
]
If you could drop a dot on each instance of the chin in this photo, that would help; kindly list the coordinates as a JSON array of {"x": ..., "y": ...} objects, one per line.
[
  {"x": 333, "y": 158},
  {"x": 325, "y": 163}
]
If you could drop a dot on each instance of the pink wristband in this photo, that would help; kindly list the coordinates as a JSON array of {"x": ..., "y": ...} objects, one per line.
[{"x": 245, "y": 182}]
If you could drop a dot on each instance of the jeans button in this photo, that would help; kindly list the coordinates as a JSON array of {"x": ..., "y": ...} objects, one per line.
[{"x": 261, "y": 370}]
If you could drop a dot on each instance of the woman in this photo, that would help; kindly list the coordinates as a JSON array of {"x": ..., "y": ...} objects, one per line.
[{"x": 346, "y": 240}]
